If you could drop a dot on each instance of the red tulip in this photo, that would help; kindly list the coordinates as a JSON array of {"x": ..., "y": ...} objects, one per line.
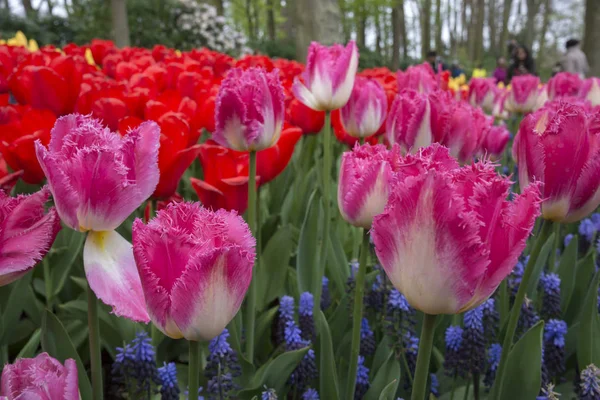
[
  {"x": 100, "y": 49},
  {"x": 309, "y": 120},
  {"x": 17, "y": 142},
  {"x": 223, "y": 186}
]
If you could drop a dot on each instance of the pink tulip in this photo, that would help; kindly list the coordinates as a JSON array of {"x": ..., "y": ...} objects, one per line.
[
  {"x": 463, "y": 130},
  {"x": 499, "y": 110},
  {"x": 590, "y": 90},
  {"x": 365, "y": 112},
  {"x": 249, "y": 110},
  {"x": 328, "y": 77},
  {"x": 559, "y": 145},
  {"x": 564, "y": 84},
  {"x": 448, "y": 236},
  {"x": 523, "y": 96},
  {"x": 418, "y": 77},
  {"x": 196, "y": 266},
  {"x": 27, "y": 233},
  {"x": 97, "y": 179},
  {"x": 482, "y": 93},
  {"x": 42, "y": 377},
  {"x": 366, "y": 174},
  {"x": 408, "y": 122},
  {"x": 495, "y": 141}
]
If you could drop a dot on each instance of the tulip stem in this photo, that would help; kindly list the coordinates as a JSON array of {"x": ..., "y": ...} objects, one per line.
[
  {"x": 194, "y": 369},
  {"x": 359, "y": 289},
  {"x": 422, "y": 368},
  {"x": 48, "y": 282},
  {"x": 251, "y": 305},
  {"x": 95, "y": 351},
  {"x": 552, "y": 260},
  {"x": 327, "y": 161},
  {"x": 513, "y": 318}
]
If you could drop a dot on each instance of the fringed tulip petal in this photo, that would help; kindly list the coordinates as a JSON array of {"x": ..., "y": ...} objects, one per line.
[
  {"x": 408, "y": 122},
  {"x": 365, "y": 111},
  {"x": 111, "y": 273}
]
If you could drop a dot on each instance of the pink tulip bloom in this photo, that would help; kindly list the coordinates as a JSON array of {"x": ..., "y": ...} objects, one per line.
[
  {"x": 482, "y": 93},
  {"x": 249, "y": 110},
  {"x": 564, "y": 84},
  {"x": 42, "y": 377},
  {"x": 196, "y": 266},
  {"x": 27, "y": 233},
  {"x": 499, "y": 110},
  {"x": 495, "y": 141},
  {"x": 97, "y": 179},
  {"x": 408, "y": 122},
  {"x": 366, "y": 174},
  {"x": 418, "y": 77},
  {"x": 590, "y": 90},
  {"x": 560, "y": 147},
  {"x": 365, "y": 112},
  {"x": 524, "y": 93},
  {"x": 448, "y": 236},
  {"x": 463, "y": 129},
  {"x": 328, "y": 77}
]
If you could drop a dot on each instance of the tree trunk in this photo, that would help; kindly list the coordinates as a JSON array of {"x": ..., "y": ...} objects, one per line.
[
  {"x": 271, "y": 29},
  {"x": 464, "y": 24},
  {"x": 250, "y": 20},
  {"x": 438, "y": 26},
  {"x": 545, "y": 23},
  {"x": 396, "y": 32},
  {"x": 50, "y": 5},
  {"x": 478, "y": 40},
  {"x": 288, "y": 25},
  {"x": 492, "y": 27},
  {"x": 361, "y": 25},
  {"x": 318, "y": 20},
  {"x": 504, "y": 31},
  {"x": 425, "y": 28},
  {"x": 30, "y": 12},
  {"x": 403, "y": 30},
  {"x": 120, "y": 23},
  {"x": 378, "y": 32},
  {"x": 533, "y": 7},
  {"x": 592, "y": 36},
  {"x": 471, "y": 30}
]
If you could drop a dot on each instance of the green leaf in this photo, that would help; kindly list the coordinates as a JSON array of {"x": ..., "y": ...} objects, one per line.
[
  {"x": 264, "y": 321},
  {"x": 566, "y": 272},
  {"x": 275, "y": 373},
  {"x": 272, "y": 271},
  {"x": 337, "y": 266},
  {"x": 57, "y": 343},
  {"x": 329, "y": 388},
  {"x": 388, "y": 392},
  {"x": 381, "y": 355},
  {"x": 523, "y": 376},
  {"x": 71, "y": 241},
  {"x": 30, "y": 348},
  {"x": 539, "y": 267},
  {"x": 307, "y": 263},
  {"x": 583, "y": 277},
  {"x": 588, "y": 349},
  {"x": 386, "y": 375},
  {"x": 14, "y": 306}
]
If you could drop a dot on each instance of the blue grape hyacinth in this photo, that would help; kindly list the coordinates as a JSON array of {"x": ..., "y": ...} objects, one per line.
[
  {"x": 222, "y": 367},
  {"x": 589, "y": 385},
  {"x": 286, "y": 313},
  {"x": 310, "y": 394},
  {"x": 493, "y": 360},
  {"x": 268, "y": 394},
  {"x": 367, "y": 339},
  {"x": 306, "y": 371},
  {"x": 135, "y": 366},
  {"x": 169, "y": 388},
  {"x": 325, "y": 294},
  {"x": 306, "y": 320},
  {"x": 554, "y": 347},
  {"x": 550, "y": 286},
  {"x": 362, "y": 379},
  {"x": 473, "y": 342},
  {"x": 452, "y": 361}
]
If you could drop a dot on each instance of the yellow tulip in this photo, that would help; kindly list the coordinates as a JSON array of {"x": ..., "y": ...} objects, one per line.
[{"x": 89, "y": 57}]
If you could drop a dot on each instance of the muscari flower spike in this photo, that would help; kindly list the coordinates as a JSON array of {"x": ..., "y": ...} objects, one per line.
[
  {"x": 306, "y": 320},
  {"x": 136, "y": 361},
  {"x": 491, "y": 319},
  {"x": 528, "y": 317},
  {"x": 589, "y": 386},
  {"x": 452, "y": 361},
  {"x": 375, "y": 298},
  {"x": 310, "y": 394},
  {"x": 550, "y": 286},
  {"x": 223, "y": 359},
  {"x": 268, "y": 394},
  {"x": 399, "y": 318},
  {"x": 325, "y": 294},
  {"x": 362, "y": 379},
  {"x": 493, "y": 360},
  {"x": 554, "y": 347},
  {"x": 473, "y": 341},
  {"x": 286, "y": 314},
  {"x": 367, "y": 339},
  {"x": 306, "y": 371},
  {"x": 169, "y": 388}
]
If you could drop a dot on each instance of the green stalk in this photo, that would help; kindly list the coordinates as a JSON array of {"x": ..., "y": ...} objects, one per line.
[
  {"x": 516, "y": 309},
  {"x": 552, "y": 260},
  {"x": 194, "y": 369},
  {"x": 466, "y": 395},
  {"x": 251, "y": 305},
  {"x": 359, "y": 289},
  {"x": 327, "y": 162},
  {"x": 95, "y": 354},
  {"x": 422, "y": 370},
  {"x": 48, "y": 282}
]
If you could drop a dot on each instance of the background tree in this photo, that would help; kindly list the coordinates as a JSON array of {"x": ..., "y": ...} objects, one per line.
[
  {"x": 592, "y": 35},
  {"x": 120, "y": 23}
]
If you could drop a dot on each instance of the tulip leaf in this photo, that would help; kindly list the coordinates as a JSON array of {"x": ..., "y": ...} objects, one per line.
[
  {"x": 588, "y": 349},
  {"x": 387, "y": 374},
  {"x": 274, "y": 374},
  {"x": 389, "y": 391},
  {"x": 264, "y": 321},
  {"x": 337, "y": 262},
  {"x": 272, "y": 271},
  {"x": 566, "y": 272},
  {"x": 329, "y": 388},
  {"x": 30, "y": 348},
  {"x": 381, "y": 355},
  {"x": 14, "y": 307},
  {"x": 523, "y": 373},
  {"x": 57, "y": 343},
  {"x": 69, "y": 243},
  {"x": 583, "y": 277},
  {"x": 307, "y": 259},
  {"x": 539, "y": 266}
]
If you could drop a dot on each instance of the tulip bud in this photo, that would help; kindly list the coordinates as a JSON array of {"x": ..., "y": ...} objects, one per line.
[
  {"x": 559, "y": 146},
  {"x": 249, "y": 110},
  {"x": 328, "y": 77},
  {"x": 482, "y": 93},
  {"x": 195, "y": 266},
  {"x": 365, "y": 112}
]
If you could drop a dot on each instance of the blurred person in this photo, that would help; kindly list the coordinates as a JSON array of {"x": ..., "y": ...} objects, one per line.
[
  {"x": 500, "y": 71},
  {"x": 455, "y": 69},
  {"x": 435, "y": 61},
  {"x": 522, "y": 63},
  {"x": 574, "y": 60}
]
